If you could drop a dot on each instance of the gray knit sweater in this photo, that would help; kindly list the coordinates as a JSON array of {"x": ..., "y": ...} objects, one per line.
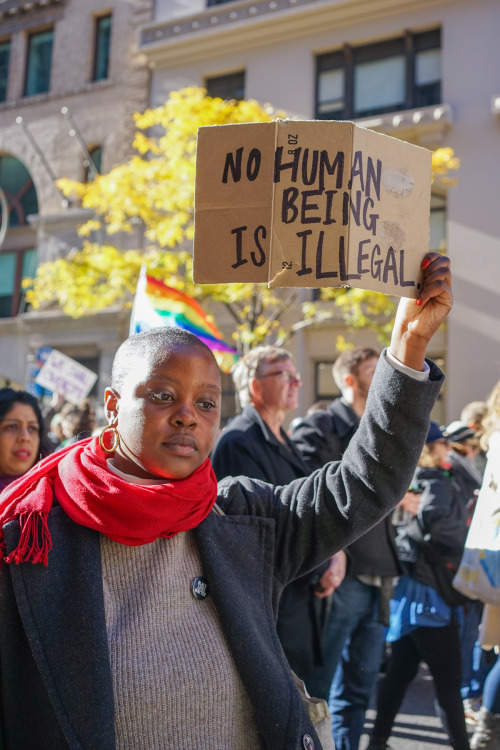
[{"x": 174, "y": 680}]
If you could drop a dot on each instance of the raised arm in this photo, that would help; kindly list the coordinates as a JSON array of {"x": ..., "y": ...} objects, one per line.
[
  {"x": 418, "y": 320},
  {"x": 318, "y": 515}
]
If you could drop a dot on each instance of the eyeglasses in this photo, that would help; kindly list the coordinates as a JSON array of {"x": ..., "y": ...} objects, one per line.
[{"x": 291, "y": 377}]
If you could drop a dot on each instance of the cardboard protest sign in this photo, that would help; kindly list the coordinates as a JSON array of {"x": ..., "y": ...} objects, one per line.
[
  {"x": 310, "y": 204},
  {"x": 64, "y": 375}
]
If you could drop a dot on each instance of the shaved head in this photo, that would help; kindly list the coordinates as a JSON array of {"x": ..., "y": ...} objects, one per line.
[{"x": 150, "y": 346}]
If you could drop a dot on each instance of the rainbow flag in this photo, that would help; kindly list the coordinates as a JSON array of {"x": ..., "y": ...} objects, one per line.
[{"x": 157, "y": 304}]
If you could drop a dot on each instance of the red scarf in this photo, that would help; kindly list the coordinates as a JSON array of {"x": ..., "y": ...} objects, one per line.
[{"x": 93, "y": 496}]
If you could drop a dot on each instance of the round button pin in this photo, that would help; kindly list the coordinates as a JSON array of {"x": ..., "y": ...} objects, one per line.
[
  {"x": 200, "y": 588},
  {"x": 308, "y": 742}
]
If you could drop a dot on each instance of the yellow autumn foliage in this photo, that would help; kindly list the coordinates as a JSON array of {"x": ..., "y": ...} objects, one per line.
[{"x": 155, "y": 190}]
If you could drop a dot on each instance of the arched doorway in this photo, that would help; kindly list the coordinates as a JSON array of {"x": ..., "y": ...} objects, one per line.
[{"x": 18, "y": 255}]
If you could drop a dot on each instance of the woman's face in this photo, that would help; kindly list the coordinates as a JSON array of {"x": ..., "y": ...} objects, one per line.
[
  {"x": 440, "y": 448},
  {"x": 168, "y": 414},
  {"x": 19, "y": 440}
]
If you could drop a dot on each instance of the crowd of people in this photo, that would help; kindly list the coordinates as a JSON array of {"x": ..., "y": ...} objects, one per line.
[{"x": 161, "y": 578}]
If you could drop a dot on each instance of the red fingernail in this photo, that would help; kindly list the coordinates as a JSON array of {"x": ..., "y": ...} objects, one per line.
[
  {"x": 419, "y": 301},
  {"x": 425, "y": 263}
]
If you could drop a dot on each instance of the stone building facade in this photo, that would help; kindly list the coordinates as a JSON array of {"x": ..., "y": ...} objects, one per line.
[{"x": 71, "y": 78}]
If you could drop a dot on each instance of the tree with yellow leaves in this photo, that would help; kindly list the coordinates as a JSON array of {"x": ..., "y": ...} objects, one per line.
[{"x": 156, "y": 190}]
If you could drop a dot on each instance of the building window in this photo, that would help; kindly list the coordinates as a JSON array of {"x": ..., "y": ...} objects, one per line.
[
  {"x": 402, "y": 73},
  {"x": 102, "y": 46},
  {"x": 325, "y": 388},
  {"x": 218, "y": 2},
  {"x": 4, "y": 69},
  {"x": 96, "y": 156},
  {"x": 231, "y": 86},
  {"x": 14, "y": 267},
  {"x": 39, "y": 63}
]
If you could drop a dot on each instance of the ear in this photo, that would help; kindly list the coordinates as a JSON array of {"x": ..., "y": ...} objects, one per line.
[
  {"x": 111, "y": 402},
  {"x": 254, "y": 389},
  {"x": 349, "y": 379}
]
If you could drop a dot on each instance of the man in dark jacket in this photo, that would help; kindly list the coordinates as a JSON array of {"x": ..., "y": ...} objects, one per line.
[
  {"x": 354, "y": 639},
  {"x": 255, "y": 445}
]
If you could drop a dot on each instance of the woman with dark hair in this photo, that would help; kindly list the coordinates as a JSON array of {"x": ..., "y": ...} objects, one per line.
[{"x": 22, "y": 434}]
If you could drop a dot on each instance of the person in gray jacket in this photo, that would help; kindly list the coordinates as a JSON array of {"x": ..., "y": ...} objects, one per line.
[{"x": 138, "y": 600}]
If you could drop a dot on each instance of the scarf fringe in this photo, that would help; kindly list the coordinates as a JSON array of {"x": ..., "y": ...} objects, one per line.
[{"x": 35, "y": 542}]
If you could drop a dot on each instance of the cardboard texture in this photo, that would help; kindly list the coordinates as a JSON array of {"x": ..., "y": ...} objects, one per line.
[{"x": 310, "y": 204}]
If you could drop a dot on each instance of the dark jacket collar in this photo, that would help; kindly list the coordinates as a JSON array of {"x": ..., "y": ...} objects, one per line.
[
  {"x": 344, "y": 416},
  {"x": 287, "y": 448}
]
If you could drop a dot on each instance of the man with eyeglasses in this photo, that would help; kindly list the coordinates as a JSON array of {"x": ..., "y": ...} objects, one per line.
[{"x": 254, "y": 444}]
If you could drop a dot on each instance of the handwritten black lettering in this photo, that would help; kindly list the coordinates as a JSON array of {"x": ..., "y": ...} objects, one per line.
[
  {"x": 304, "y": 269},
  {"x": 344, "y": 276},
  {"x": 390, "y": 266},
  {"x": 362, "y": 257},
  {"x": 289, "y": 210},
  {"x": 320, "y": 274},
  {"x": 280, "y": 166},
  {"x": 309, "y": 178},
  {"x": 233, "y": 165},
  {"x": 373, "y": 174},
  {"x": 307, "y": 207},
  {"x": 240, "y": 260},
  {"x": 257, "y": 258},
  {"x": 402, "y": 280},
  {"x": 259, "y": 233}
]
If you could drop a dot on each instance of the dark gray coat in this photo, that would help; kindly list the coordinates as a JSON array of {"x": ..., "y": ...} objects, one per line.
[
  {"x": 247, "y": 447},
  {"x": 56, "y": 686},
  {"x": 324, "y": 436}
]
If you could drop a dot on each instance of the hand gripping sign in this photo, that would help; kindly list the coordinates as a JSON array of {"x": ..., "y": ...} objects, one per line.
[{"x": 311, "y": 204}]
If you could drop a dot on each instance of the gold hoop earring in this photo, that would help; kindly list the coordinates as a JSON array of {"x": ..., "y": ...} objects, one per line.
[{"x": 116, "y": 438}]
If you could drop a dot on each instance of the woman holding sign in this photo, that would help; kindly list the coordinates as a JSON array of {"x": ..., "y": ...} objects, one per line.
[{"x": 138, "y": 599}]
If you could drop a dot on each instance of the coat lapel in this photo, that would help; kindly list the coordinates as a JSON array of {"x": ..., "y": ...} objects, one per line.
[
  {"x": 62, "y": 609},
  {"x": 236, "y": 554}
]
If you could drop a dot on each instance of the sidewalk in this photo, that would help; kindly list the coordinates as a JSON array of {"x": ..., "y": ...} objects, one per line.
[{"x": 417, "y": 727}]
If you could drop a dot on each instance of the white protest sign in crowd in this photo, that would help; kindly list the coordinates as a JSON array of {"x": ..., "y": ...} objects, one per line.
[
  {"x": 310, "y": 204},
  {"x": 64, "y": 375}
]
